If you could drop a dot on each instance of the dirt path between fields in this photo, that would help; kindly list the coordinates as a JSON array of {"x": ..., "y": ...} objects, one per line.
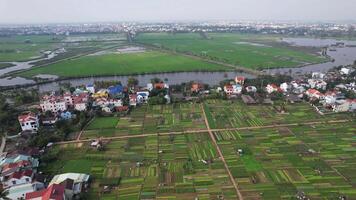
[{"x": 212, "y": 137}]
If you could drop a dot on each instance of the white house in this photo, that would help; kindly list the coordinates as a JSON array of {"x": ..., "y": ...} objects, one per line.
[
  {"x": 318, "y": 84},
  {"x": 53, "y": 103},
  {"x": 29, "y": 121},
  {"x": 20, "y": 191},
  {"x": 90, "y": 88},
  {"x": 270, "y": 88},
  {"x": 142, "y": 96},
  {"x": 133, "y": 99},
  {"x": 80, "y": 181},
  {"x": 18, "y": 178},
  {"x": 285, "y": 87},
  {"x": 251, "y": 89},
  {"x": 313, "y": 93},
  {"x": 233, "y": 89},
  {"x": 318, "y": 75},
  {"x": 345, "y": 71}
]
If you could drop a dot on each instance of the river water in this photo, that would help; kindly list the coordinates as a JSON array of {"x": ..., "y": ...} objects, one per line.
[{"x": 340, "y": 55}]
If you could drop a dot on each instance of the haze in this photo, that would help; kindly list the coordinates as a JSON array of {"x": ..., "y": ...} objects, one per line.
[{"x": 54, "y": 11}]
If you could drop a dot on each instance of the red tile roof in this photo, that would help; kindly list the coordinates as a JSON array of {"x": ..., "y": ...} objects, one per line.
[
  {"x": 20, "y": 174},
  {"x": 55, "y": 192},
  {"x": 27, "y": 116}
]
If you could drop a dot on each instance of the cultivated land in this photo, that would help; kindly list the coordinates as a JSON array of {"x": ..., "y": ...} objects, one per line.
[
  {"x": 282, "y": 153},
  {"x": 22, "y": 48},
  {"x": 245, "y": 50},
  {"x": 124, "y": 64}
]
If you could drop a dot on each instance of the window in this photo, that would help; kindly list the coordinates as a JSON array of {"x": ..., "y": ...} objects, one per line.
[{"x": 14, "y": 182}]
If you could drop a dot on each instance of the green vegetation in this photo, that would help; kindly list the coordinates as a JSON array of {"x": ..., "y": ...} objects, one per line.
[
  {"x": 22, "y": 48},
  {"x": 5, "y": 65},
  {"x": 246, "y": 50},
  {"x": 124, "y": 64},
  {"x": 103, "y": 122},
  {"x": 267, "y": 163}
]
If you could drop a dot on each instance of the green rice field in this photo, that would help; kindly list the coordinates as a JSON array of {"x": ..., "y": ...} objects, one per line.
[
  {"x": 246, "y": 50},
  {"x": 124, "y": 64}
]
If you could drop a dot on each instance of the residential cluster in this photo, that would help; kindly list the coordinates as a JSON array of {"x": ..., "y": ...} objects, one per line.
[
  {"x": 20, "y": 178},
  {"x": 114, "y": 99}
]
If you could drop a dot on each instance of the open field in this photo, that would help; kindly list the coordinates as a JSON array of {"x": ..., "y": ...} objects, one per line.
[
  {"x": 170, "y": 168},
  {"x": 147, "y": 120},
  {"x": 124, "y": 64},
  {"x": 22, "y": 48},
  {"x": 245, "y": 50},
  {"x": 235, "y": 114},
  {"x": 275, "y": 163}
]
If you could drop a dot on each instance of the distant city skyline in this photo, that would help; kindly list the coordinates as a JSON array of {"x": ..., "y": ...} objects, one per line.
[{"x": 80, "y": 11}]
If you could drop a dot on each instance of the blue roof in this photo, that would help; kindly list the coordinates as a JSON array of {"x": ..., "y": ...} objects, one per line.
[
  {"x": 90, "y": 85},
  {"x": 115, "y": 89},
  {"x": 142, "y": 94}
]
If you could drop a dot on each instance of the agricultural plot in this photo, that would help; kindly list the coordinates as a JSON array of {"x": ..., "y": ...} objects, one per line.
[
  {"x": 279, "y": 163},
  {"x": 228, "y": 114},
  {"x": 246, "y": 50},
  {"x": 124, "y": 64},
  {"x": 154, "y": 167},
  {"x": 22, "y": 48},
  {"x": 149, "y": 120}
]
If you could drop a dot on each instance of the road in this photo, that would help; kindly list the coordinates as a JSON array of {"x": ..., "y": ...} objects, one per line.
[{"x": 212, "y": 137}]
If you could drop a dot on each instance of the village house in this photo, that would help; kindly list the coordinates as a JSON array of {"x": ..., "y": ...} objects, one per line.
[
  {"x": 20, "y": 191},
  {"x": 18, "y": 178},
  {"x": 196, "y": 87},
  {"x": 53, "y": 192},
  {"x": 160, "y": 86},
  {"x": 318, "y": 75},
  {"x": 346, "y": 71},
  {"x": 103, "y": 93},
  {"x": 240, "y": 80},
  {"x": 142, "y": 97},
  {"x": 133, "y": 99},
  {"x": 317, "y": 84},
  {"x": 285, "y": 87},
  {"x": 53, "y": 103},
  {"x": 233, "y": 89},
  {"x": 90, "y": 88},
  {"x": 313, "y": 93},
  {"x": 29, "y": 121},
  {"x": 270, "y": 88},
  {"x": 252, "y": 89},
  {"x": 74, "y": 183},
  {"x": 342, "y": 106}
]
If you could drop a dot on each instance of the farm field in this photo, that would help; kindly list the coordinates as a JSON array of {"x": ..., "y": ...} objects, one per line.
[
  {"x": 245, "y": 50},
  {"x": 148, "y": 120},
  {"x": 154, "y": 167},
  {"x": 275, "y": 163},
  {"x": 124, "y": 64},
  {"x": 235, "y": 114},
  {"x": 279, "y": 163},
  {"x": 22, "y": 48}
]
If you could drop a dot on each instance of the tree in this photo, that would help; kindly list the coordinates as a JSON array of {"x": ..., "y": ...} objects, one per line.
[{"x": 132, "y": 82}]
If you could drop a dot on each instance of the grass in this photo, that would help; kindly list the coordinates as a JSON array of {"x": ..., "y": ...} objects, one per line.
[
  {"x": 103, "y": 123},
  {"x": 246, "y": 50},
  {"x": 22, "y": 48},
  {"x": 124, "y": 64}
]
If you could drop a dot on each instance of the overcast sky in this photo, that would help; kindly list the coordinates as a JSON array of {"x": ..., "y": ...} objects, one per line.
[{"x": 47, "y": 11}]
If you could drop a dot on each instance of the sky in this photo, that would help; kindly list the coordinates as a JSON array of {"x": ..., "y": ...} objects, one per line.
[{"x": 67, "y": 11}]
